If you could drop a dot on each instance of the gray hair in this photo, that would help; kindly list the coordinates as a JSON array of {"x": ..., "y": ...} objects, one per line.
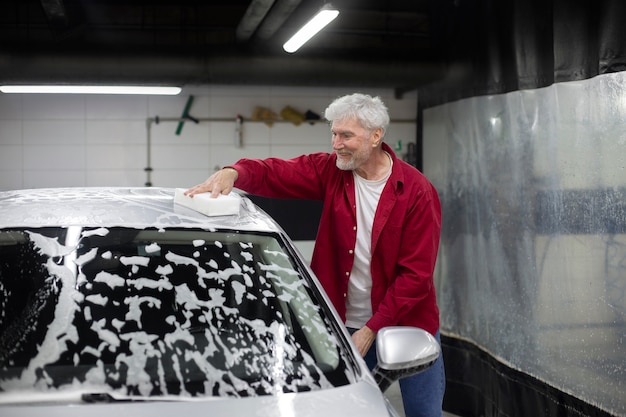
[{"x": 370, "y": 111}]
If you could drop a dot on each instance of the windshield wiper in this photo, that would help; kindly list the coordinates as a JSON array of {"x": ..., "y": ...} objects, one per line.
[
  {"x": 105, "y": 397},
  {"x": 34, "y": 397},
  {"x": 113, "y": 397}
]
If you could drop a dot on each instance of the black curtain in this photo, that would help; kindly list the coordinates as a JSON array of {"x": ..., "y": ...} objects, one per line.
[{"x": 498, "y": 46}]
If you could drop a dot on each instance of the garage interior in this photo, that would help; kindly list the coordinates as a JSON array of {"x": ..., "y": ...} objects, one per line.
[{"x": 517, "y": 117}]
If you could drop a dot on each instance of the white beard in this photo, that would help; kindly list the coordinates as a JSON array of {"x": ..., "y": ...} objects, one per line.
[
  {"x": 349, "y": 165},
  {"x": 356, "y": 159}
]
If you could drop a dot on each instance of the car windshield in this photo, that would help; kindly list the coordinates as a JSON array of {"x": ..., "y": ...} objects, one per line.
[{"x": 161, "y": 312}]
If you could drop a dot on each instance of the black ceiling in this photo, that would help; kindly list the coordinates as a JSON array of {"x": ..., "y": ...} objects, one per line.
[{"x": 387, "y": 43}]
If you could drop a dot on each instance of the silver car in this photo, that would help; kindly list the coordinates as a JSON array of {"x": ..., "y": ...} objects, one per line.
[{"x": 117, "y": 301}]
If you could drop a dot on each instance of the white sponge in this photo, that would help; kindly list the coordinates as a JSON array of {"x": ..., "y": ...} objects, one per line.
[{"x": 222, "y": 205}]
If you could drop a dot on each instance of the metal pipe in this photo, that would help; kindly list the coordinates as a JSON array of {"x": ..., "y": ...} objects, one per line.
[{"x": 238, "y": 119}]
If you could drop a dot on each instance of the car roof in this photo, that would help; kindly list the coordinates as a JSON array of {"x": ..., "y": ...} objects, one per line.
[{"x": 133, "y": 207}]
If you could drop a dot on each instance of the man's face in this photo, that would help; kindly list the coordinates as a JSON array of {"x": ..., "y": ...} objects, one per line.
[{"x": 352, "y": 143}]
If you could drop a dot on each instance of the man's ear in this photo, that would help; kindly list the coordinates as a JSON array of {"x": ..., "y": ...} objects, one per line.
[{"x": 377, "y": 137}]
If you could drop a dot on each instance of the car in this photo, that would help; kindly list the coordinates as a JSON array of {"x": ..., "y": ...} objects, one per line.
[{"x": 120, "y": 301}]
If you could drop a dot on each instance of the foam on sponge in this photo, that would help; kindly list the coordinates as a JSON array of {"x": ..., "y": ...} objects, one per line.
[{"x": 222, "y": 205}]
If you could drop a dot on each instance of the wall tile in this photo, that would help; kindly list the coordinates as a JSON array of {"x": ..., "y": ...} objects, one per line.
[
  {"x": 102, "y": 140},
  {"x": 116, "y": 157},
  {"x": 11, "y": 107},
  {"x": 54, "y": 178},
  {"x": 115, "y": 132},
  {"x": 10, "y": 158},
  {"x": 106, "y": 107},
  {"x": 180, "y": 157},
  {"x": 290, "y": 134},
  {"x": 178, "y": 178},
  {"x": 222, "y": 155},
  {"x": 50, "y": 132},
  {"x": 116, "y": 178},
  {"x": 253, "y": 133},
  {"x": 291, "y": 151},
  {"x": 11, "y": 180},
  {"x": 53, "y": 107},
  {"x": 11, "y": 132},
  {"x": 54, "y": 157}
]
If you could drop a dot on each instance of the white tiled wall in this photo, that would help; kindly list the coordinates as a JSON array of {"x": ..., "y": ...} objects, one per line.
[{"x": 74, "y": 140}]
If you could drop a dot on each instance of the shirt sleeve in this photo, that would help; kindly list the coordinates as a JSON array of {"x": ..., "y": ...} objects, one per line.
[{"x": 299, "y": 177}]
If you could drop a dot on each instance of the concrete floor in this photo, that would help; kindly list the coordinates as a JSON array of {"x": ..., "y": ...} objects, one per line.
[{"x": 393, "y": 393}]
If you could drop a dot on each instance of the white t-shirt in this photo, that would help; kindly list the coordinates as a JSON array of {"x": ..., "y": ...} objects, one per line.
[{"x": 359, "y": 304}]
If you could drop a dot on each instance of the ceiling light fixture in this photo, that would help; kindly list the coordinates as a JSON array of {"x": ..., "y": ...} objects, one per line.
[
  {"x": 89, "y": 89},
  {"x": 326, "y": 15}
]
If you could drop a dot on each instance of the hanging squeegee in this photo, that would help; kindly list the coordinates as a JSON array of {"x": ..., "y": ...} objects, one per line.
[{"x": 185, "y": 116}]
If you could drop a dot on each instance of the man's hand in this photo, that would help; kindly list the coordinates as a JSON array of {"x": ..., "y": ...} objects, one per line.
[
  {"x": 363, "y": 339},
  {"x": 221, "y": 182}
]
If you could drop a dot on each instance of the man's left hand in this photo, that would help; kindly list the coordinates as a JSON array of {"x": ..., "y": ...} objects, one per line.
[{"x": 363, "y": 339}]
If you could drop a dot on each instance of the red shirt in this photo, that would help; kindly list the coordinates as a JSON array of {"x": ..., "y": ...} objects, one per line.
[{"x": 405, "y": 232}]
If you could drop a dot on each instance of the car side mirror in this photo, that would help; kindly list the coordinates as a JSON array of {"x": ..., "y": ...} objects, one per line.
[{"x": 403, "y": 351}]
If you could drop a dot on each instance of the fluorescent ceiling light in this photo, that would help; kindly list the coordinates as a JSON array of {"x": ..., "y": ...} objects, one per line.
[
  {"x": 319, "y": 21},
  {"x": 89, "y": 89}
]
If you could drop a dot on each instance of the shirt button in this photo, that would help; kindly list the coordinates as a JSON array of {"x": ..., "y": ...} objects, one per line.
[
  {"x": 347, "y": 274},
  {"x": 353, "y": 227},
  {"x": 350, "y": 251},
  {"x": 345, "y": 295}
]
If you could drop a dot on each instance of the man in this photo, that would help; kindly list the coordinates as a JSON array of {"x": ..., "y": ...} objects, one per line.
[{"x": 378, "y": 235}]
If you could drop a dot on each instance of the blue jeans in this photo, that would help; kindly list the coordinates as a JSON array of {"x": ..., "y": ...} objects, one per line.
[{"x": 422, "y": 394}]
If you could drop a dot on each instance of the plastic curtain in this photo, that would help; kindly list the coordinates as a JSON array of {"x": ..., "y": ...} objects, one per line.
[{"x": 532, "y": 265}]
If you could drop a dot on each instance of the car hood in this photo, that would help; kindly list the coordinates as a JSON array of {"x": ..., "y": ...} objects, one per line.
[{"x": 362, "y": 399}]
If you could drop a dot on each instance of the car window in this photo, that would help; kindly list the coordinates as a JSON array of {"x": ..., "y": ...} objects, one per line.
[{"x": 161, "y": 312}]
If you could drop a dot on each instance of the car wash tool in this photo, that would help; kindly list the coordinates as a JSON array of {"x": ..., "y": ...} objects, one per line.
[{"x": 222, "y": 205}]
